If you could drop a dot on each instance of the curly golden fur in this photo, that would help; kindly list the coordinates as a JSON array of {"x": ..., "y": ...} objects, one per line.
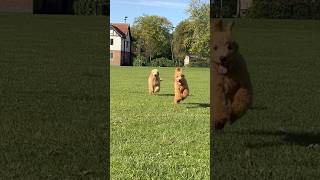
[
  {"x": 231, "y": 88},
  {"x": 181, "y": 89},
  {"x": 154, "y": 81}
]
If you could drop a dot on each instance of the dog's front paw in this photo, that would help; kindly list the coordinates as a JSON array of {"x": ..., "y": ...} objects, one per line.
[
  {"x": 218, "y": 125},
  {"x": 176, "y": 101}
]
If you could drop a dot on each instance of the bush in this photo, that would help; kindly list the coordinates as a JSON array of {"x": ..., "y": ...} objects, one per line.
[
  {"x": 90, "y": 7},
  {"x": 285, "y": 9},
  {"x": 198, "y": 63},
  {"x": 140, "y": 61},
  {"x": 162, "y": 62}
]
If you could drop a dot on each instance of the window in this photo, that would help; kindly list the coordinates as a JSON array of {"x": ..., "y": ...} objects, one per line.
[
  {"x": 127, "y": 44},
  {"x": 111, "y": 55},
  {"x": 111, "y": 41}
]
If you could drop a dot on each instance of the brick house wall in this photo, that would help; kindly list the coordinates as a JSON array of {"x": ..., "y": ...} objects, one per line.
[
  {"x": 16, "y": 6},
  {"x": 120, "y": 58},
  {"x": 115, "y": 57},
  {"x": 120, "y": 45}
]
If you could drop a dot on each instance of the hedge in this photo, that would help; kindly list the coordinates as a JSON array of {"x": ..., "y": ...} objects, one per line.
[
  {"x": 285, "y": 9},
  {"x": 162, "y": 62}
]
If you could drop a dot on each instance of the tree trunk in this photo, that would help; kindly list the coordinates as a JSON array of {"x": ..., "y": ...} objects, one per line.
[{"x": 238, "y": 8}]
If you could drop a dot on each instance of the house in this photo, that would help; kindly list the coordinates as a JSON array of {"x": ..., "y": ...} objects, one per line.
[
  {"x": 19, "y": 6},
  {"x": 67, "y": 6},
  {"x": 120, "y": 44},
  {"x": 37, "y": 6},
  {"x": 186, "y": 60},
  {"x": 243, "y": 6}
]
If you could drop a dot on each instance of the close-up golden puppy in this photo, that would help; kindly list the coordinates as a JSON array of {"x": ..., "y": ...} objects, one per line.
[
  {"x": 154, "y": 81},
  {"x": 231, "y": 85},
  {"x": 181, "y": 89}
]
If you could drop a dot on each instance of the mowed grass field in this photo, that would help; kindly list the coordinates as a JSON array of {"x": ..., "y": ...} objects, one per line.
[
  {"x": 279, "y": 138},
  {"x": 53, "y": 97},
  {"x": 151, "y": 138}
]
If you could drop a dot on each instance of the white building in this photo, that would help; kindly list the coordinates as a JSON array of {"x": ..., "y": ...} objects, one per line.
[{"x": 120, "y": 44}]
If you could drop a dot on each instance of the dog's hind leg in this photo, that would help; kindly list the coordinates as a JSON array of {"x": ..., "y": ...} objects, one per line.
[
  {"x": 241, "y": 102},
  {"x": 176, "y": 98},
  {"x": 151, "y": 91},
  {"x": 185, "y": 93}
]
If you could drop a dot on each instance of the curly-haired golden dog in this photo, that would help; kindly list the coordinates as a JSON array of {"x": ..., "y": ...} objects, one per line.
[
  {"x": 231, "y": 89},
  {"x": 181, "y": 89},
  {"x": 154, "y": 81}
]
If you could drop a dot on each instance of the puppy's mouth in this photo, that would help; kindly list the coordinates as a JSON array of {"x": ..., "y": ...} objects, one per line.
[{"x": 223, "y": 68}]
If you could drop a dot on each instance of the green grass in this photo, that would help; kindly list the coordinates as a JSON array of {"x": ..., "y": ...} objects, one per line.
[
  {"x": 151, "y": 138},
  {"x": 280, "y": 137},
  {"x": 53, "y": 97},
  {"x": 53, "y": 107}
]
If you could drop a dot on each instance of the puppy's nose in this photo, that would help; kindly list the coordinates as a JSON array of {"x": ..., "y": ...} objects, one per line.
[{"x": 223, "y": 59}]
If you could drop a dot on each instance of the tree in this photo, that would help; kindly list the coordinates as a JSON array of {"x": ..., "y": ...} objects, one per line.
[
  {"x": 90, "y": 7},
  {"x": 238, "y": 8},
  {"x": 182, "y": 39},
  {"x": 200, "y": 24},
  {"x": 151, "y": 36}
]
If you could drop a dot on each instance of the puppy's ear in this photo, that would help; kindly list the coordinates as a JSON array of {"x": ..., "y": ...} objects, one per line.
[
  {"x": 230, "y": 26},
  {"x": 218, "y": 26}
]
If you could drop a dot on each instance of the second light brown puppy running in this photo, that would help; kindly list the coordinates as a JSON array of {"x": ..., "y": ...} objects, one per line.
[{"x": 181, "y": 88}]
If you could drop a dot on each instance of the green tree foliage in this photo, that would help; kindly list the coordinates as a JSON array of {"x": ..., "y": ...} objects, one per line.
[
  {"x": 90, "y": 7},
  {"x": 199, "y": 24},
  {"x": 229, "y": 8},
  {"x": 181, "y": 40},
  {"x": 151, "y": 35}
]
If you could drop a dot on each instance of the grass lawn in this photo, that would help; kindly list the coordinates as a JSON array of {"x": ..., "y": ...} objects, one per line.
[
  {"x": 280, "y": 137},
  {"x": 53, "y": 97},
  {"x": 151, "y": 138}
]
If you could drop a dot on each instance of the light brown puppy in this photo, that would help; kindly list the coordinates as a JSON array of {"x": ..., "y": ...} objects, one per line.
[
  {"x": 154, "y": 81},
  {"x": 181, "y": 89},
  {"x": 231, "y": 89}
]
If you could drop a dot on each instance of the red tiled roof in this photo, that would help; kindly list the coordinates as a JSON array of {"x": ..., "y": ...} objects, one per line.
[{"x": 122, "y": 28}]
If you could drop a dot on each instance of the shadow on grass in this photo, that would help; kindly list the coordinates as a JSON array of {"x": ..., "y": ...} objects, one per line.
[
  {"x": 285, "y": 138},
  {"x": 92, "y": 75},
  {"x": 259, "y": 108},
  {"x": 165, "y": 94},
  {"x": 197, "y": 105}
]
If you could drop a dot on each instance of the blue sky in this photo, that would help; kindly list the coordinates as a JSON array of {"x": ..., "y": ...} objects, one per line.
[{"x": 173, "y": 10}]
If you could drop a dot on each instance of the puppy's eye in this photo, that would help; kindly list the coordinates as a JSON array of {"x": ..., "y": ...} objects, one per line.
[{"x": 230, "y": 47}]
